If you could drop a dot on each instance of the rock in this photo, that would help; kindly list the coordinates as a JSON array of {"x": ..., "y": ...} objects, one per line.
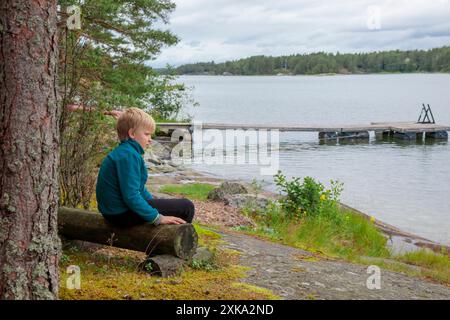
[
  {"x": 166, "y": 168},
  {"x": 158, "y": 160},
  {"x": 160, "y": 151},
  {"x": 170, "y": 163},
  {"x": 173, "y": 164},
  {"x": 152, "y": 159},
  {"x": 226, "y": 189},
  {"x": 203, "y": 254},
  {"x": 240, "y": 201}
]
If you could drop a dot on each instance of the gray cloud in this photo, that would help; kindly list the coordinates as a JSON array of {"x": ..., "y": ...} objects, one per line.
[{"x": 222, "y": 30}]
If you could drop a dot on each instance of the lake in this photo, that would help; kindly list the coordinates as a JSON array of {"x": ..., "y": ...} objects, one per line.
[{"x": 404, "y": 184}]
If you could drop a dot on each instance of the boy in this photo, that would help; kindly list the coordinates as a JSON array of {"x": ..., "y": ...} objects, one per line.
[{"x": 122, "y": 196}]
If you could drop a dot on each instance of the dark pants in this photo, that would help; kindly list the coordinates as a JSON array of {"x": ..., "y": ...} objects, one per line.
[{"x": 181, "y": 208}]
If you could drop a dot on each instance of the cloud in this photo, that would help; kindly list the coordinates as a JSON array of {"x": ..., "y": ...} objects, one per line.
[{"x": 223, "y": 30}]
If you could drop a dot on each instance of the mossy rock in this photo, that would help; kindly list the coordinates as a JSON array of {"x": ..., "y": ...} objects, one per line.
[{"x": 226, "y": 189}]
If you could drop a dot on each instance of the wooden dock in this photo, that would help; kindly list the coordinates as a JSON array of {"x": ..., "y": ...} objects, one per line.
[{"x": 402, "y": 130}]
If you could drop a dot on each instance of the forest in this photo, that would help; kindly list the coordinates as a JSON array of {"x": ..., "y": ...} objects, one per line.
[{"x": 433, "y": 60}]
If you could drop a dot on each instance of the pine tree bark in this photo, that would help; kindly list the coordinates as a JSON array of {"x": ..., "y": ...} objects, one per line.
[{"x": 29, "y": 150}]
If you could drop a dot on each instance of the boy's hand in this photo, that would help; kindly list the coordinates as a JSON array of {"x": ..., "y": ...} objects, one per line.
[{"x": 171, "y": 220}]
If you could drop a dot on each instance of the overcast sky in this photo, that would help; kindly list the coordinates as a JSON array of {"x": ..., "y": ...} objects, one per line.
[{"x": 223, "y": 30}]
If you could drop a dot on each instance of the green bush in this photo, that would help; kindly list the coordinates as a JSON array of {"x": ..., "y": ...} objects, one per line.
[{"x": 307, "y": 197}]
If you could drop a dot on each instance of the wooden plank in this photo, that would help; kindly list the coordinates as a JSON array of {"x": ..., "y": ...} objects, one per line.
[
  {"x": 291, "y": 127},
  {"x": 419, "y": 127},
  {"x": 374, "y": 126}
]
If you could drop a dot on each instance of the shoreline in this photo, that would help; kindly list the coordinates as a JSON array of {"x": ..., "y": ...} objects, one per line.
[
  {"x": 398, "y": 240},
  {"x": 309, "y": 75}
]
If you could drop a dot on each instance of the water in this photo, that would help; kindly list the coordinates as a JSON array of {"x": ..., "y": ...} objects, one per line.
[{"x": 403, "y": 184}]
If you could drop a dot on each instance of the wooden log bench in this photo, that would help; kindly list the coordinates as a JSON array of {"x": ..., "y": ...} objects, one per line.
[{"x": 176, "y": 241}]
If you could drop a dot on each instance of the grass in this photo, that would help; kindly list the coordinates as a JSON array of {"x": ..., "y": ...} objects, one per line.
[
  {"x": 433, "y": 265},
  {"x": 348, "y": 237},
  {"x": 422, "y": 263},
  {"x": 335, "y": 232},
  {"x": 198, "y": 191}
]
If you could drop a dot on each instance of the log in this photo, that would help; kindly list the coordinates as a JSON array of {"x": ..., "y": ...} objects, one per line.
[
  {"x": 164, "y": 265},
  {"x": 177, "y": 240}
]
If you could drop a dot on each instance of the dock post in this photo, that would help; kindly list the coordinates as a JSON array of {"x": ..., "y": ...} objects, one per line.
[
  {"x": 383, "y": 134},
  {"x": 437, "y": 135},
  {"x": 420, "y": 136}
]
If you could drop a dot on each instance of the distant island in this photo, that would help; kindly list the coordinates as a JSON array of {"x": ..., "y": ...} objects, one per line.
[{"x": 433, "y": 60}]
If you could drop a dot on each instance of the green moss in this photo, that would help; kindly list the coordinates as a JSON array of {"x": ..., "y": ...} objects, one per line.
[
  {"x": 251, "y": 288},
  {"x": 113, "y": 273},
  {"x": 202, "y": 232},
  {"x": 307, "y": 258},
  {"x": 207, "y": 237},
  {"x": 100, "y": 281},
  {"x": 232, "y": 252}
]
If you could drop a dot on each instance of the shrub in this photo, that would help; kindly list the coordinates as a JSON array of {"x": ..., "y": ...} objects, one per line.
[{"x": 307, "y": 197}]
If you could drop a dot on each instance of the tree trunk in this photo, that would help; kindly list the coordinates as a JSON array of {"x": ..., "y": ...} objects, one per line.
[
  {"x": 177, "y": 240},
  {"x": 29, "y": 150}
]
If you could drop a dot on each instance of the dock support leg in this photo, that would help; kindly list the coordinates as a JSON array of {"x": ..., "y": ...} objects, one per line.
[
  {"x": 419, "y": 136},
  {"x": 438, "y": 135},
  {"x": 383, "y": 134}
]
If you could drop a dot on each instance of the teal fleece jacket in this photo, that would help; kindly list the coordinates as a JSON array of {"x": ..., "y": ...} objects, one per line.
[{"x": 121, "y": 183}]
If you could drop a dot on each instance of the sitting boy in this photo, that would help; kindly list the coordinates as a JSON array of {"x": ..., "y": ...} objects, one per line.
[{"x": 122, "y": 196}]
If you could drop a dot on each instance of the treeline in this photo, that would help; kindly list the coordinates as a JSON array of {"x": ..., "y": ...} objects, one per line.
[{"x": 433, "y": 60}]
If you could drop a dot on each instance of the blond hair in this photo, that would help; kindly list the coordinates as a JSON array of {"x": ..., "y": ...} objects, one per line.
[{"x": 133, "y": 118}]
